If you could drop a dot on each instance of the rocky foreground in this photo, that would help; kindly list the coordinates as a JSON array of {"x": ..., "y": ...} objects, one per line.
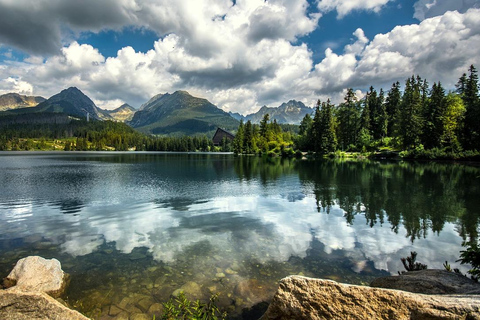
[
  {"x": 441, "y": 295},
  {"x": 306, "y": 298}
]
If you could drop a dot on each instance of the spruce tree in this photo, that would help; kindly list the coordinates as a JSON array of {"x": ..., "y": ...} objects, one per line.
[
  {"x": 392, "y": 106},
  {"x": 410, "y": 124},
  {"x": 472, "y": 113}
]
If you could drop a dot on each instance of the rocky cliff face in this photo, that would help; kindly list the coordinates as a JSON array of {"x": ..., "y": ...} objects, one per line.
[
  {"x": 306, "y": 298},
  {"x": 14, "y": 101}
]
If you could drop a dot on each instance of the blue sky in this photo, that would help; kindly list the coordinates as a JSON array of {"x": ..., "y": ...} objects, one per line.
[{"x": 240, "y": 55}]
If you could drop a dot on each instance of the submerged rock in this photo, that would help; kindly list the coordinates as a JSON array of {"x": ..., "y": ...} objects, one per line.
[
  {"x": 191, "y": 289},
  {"x": 305, "y": 298},
  {"x": 429, "y": 281},
  {"x": 36, "y": 274},
  {"x": 34, "y": 305}
]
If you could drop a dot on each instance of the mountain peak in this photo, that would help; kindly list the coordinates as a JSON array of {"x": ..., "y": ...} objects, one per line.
[
  {"x": 12, "y": 100},
  {"x": 180, "y": 112}
]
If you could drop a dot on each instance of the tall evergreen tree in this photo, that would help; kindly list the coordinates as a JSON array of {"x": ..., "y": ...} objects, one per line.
[
  {"x": 410, "y": 114},
  {"x": 348, "y": 118},
  {"x": 249, "y": 145},
  {"x": 239, "y": 139},
  {"x": 472, "y": 113},
  {"x": 433, "y": 118},
  {"x": 316, "y": 131},
  {"x": 392, "y": 106},
  {"x": 328, "y": 137}
]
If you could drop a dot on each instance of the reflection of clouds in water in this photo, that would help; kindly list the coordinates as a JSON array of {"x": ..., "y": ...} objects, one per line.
[{"x": 264, "y": 228}]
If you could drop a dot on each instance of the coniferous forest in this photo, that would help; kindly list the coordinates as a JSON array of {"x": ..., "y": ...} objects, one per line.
[
  {"x": 422, "y": 121},
  {"x": 417, "y": 120}
]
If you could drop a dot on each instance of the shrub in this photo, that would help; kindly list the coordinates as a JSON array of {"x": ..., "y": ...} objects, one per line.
[
  {"x": 471, "y": 255},
  {"x": 182, "y": 308}
]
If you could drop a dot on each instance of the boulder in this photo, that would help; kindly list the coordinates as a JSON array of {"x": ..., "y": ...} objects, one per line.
[
  {"x": 304, "y": 298},
  {"x": 36, "y": 274},
  {"x": 34, "y": 305},
  {"x": 429, "y": 281}
]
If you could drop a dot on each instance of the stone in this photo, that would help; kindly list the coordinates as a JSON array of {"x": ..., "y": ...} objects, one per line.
[
  {"x": 139, "y": 316},
  {"x": 220, "y": 275},
  {"x": 156, "y": 308},
  {"x": 36, "y": 274},
  {"x": 253, "y": 291},
  {"x": 430, "y": 281},
  {"x": 144, "y": 304},
  {"x": 230, "y": 271},
  {"x": 34, "y": 305},
  {"x": 305, "y": 298},
  {"x": 191, "y": 290},
  {"x": 114, "y": 310}
]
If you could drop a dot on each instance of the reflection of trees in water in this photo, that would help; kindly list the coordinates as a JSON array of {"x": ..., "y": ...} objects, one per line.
[
  {"x": 266, "y": 169},
  {"x": 422, "y": 197}
]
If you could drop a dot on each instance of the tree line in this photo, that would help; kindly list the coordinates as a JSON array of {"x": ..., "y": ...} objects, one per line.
[
  {"x": 80, "y": 135},
  {"x": 420, "y": 118},
  {"x": 419, "y": 121}
]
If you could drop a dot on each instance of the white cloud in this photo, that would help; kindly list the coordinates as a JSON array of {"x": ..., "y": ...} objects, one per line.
[
  {"x": 430, "y": 8},
  {"x": 344, "y": 7},
  {"x": 241, "y": 56},
  {"x": 15, "y": 85}
]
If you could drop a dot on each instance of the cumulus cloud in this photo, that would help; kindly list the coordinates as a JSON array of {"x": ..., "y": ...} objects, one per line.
[
  {"x": 15, "y": 85},
  {"x": 431, "y": 8},
  {"x": 246, "y": 55},
  {"x": 439, "y": 49},
  {"x": 344, "y": 7}
]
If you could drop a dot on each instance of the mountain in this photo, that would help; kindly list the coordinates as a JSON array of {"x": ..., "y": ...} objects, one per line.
[
  {"x": 291, "y": 112},
  {"x": 123, "y": 113},
  {"x": 14, "y": 101},
  {"x": 180, "y": 113},
  {"x": 236, "y": 116},
  {"x": 73, "y": 102}
]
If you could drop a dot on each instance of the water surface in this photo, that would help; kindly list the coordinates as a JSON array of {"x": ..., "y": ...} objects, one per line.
[{"x": 134, "y": 228}]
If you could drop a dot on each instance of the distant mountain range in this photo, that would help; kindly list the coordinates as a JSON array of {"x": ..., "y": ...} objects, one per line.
[
  {"x": 123, "y": 113},
  {"x": 181, "y": 113},
  {"x": 178, "y": 113},
  {"x": 291, "y": 112},
  {"x": 11, "y": 101}
]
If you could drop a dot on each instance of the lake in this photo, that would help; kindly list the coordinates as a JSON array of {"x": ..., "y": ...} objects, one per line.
[{"x": 134, "y": 228}]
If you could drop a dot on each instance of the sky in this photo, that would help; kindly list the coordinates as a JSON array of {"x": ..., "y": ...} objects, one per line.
[{"x": 240, "y": 55}]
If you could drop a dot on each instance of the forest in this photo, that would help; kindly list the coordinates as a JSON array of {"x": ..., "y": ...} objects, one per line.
[{"x": 420, "y": 122}]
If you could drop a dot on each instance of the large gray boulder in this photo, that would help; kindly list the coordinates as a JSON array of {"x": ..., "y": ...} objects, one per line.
[
  {"x": 34, "y": 305},
  {"x": 305, "y": 298},
  {"x": 430, "y": 282},
  {"x": 36, "y": 274}
]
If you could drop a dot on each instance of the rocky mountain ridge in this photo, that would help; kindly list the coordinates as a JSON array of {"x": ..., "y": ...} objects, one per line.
[{"x": 11, "y": 101}]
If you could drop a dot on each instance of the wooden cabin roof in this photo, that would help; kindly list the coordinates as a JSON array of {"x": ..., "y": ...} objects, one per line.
[{"x": 220, "y": 134}]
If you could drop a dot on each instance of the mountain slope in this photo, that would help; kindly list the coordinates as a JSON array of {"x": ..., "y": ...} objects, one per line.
[
  {"x": 123, "y": 113},
  {"x": 72, "y": 102},
  {"x": 180, "y": 113},
  {"x": 14, "y": 101},
  {"x": 291, "y": 112}
]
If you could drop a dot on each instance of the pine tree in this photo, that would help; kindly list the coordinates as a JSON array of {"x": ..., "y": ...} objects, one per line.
[
  {"x": 317, "y": 129},
  {"x": 410, "y": 114},
  {"x": 328, "y": 137},
  {"x": 472, "y": 113},
  {"x": 348, "y": 117},
  {"x": 392, "y": 106},
  {"x": 433, "y": 118},
  {"x": 239, "y": 138}
]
